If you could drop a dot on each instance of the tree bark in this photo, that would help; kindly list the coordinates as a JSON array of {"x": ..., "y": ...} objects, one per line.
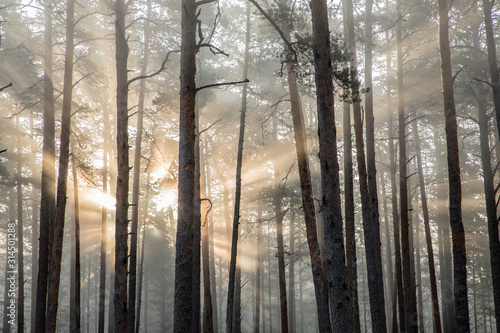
[
  {"x": 491, "y": 209},
  {"x": 57, "y": 239},
  {"x": 418, "y": 277},
  {"x": 47, "y": 205},
  {"x": 410, "y": 298},
  {"x": 75, "y": 298},
  {"x": 132, "y": 277},
  {"x": 291, "y": 277},
  {"x": 186, "y": 188},
  {"x": 237, "y": 197},
  {"x": 455, "y": 186},
  {"x": 428, "y": 237},
  {"x": 332, "y": 216},
  {"x": 122, "y": 184}
]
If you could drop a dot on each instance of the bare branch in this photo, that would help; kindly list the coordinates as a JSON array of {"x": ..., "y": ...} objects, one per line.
[
  {"x": 221, "y": 84},
  {"x": 479, "y": 80},
  {"x": 206, "y": 129},
  {"x": 212, "y": 48},
  {"x": 162, "y": 68},
  {"x": 287, "y": 42},
  {"x": 7, "y": 86}
]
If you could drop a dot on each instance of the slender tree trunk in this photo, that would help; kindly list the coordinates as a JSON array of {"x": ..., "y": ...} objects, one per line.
[
  {"x": 47, "y": 205},
  {"x": 20, "y": 239},
  {"x": 491, "y": 210},
  {"x": 187, "y": 199},
  {"x": 455, "y": 186},
  {"x": 410, "y": 299},
  {"x": 208, "y": 323},
  {"x": 390, "y": 308},
  {"x": 258, "y": 273},
  {"x": 237, "y": 294},
  {"x": 350, "y": 227},
  {"x": 75, "y": 299},
  {"x": 418, "y": 271},
  {"x": 332, "y": 216},
  {"x": 237, "y": 196},
  {"x": 213, "y": 281},
  {"x": 57, "y": 241},
  {"x": 196, "y": 307},
  {"x": 122, "y": 185},
  {"x": 34, "y": 258},
  {"x": 104, "y": 234},
  {"x": 436, "y": 319},
  {"x": 317, "y": 268},
  {"x": 492, "y": 61},
  {"x": 132, "y": 277},
  {"x": 291, "y": 277}
]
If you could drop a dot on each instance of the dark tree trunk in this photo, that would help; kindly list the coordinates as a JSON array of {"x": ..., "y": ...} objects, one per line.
[
  {"x": 332, "y": 217},
  {"x": 350, "y": 227},
  {"x": 455, "y": 186},
  {"x": 132, "y": 277},
  {"x": 492, "y": 61},
  {"x": 428, "y": 237},
  {"x": 104, "y": 234},
  {"x": 418, "y": 277},
  {"x": 47, "y": 205},
  {"x": 122, "y": 184},
  {"x": 491, "y": 210},
  {"x": 75, "y": 298},
  {"x": 291, "y": 277},
  {"x": 237, "y": 197},
  {"x": 186, "y": 216},
  {"x": 34, "y": 257},
  {"x": 410, "y": 298},
  {"x": 57, "y": 239}
]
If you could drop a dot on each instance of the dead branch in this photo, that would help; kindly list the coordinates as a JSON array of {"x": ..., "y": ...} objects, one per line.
[
  {"x": 221, "y": 84},
  {"x": 7, "y": 86},
  {"x": 162, "y": 68}
]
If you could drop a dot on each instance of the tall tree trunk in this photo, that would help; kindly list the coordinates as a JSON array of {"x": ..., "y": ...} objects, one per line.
[
  {"x": 141, "y": 262},
  {"x": 237, "y": 197},
  {"x": 187, "y": 199},
  {"x": 317, "y": 268},
  {"x": 47, "y": 205},
  {"x": 20, "y": 239},
  {"x": 213, "y": 281},
  {"x": 372, "y": 243},
  {"x": 395, "y": 215},
  {"x": 132, "y": 277},
  {"x": 57, "y": 240},
  {"x": 104, "y": 229},
  {"x": 291, "y": 277},
  {"x": 332, "y": 216},
  {"x": 34, "y": 257},
  {"x": 491, "y": 210},
  {"x": 390, "y": 291},
  {"x": 350, "y": 227},
  {"x": 208, "y": 323},
  {"x": 410, "y": 299},
  {"x": 418, "y": 277},
  {"x": 75, "y": 298},
  {"x": 455, "y": 186},
  {"x": 280, "y": 214},
  {"x": 122, "y": 184},
  {"x": 492, "y": 61},
  {"x": 428, "y": 237},
  {"x": 196, "y": 306},
  {"x": 258, "y": 273}
]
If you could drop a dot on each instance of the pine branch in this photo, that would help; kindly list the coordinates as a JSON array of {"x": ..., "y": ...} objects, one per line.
[
  {"x": 162, "y": 68},
  {"x": 221, "y": 84}
]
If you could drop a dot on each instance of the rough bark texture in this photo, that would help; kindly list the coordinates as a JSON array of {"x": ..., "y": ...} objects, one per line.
[
  {"x": 410, "y": 298},
  {"x": 237, "y": 196},
  {"x": 122, "y": 184},
  {"x": 47, "y": 205},
  {"x": 104, "y": 234},
  {"x": 187, "y": 136},
  {"x": 332, "y": 217},
  {"x": 75, "y": 298},
  {"x": 455, "y": 186},
  {"x": 57, "y": 239},
  {"x": 491, "y": 211},
  {"x": 428, "y": 237}
]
